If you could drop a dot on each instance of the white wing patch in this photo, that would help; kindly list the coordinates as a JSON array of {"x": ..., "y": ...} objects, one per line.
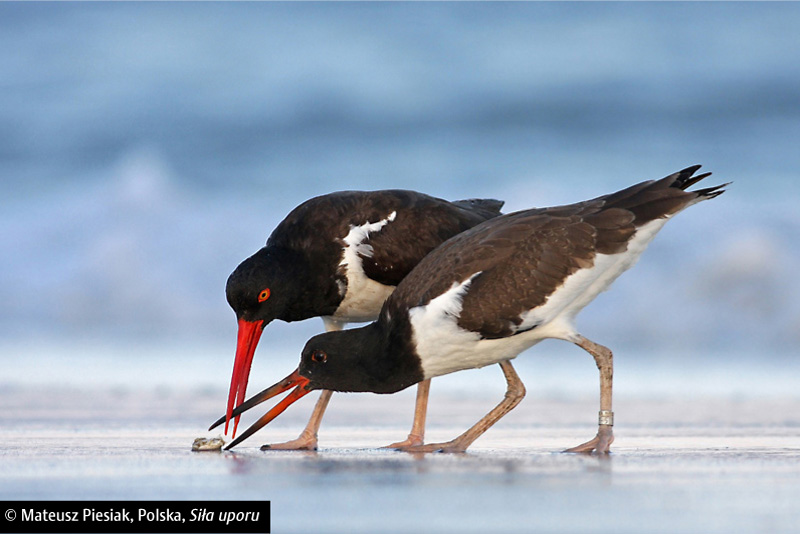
[
  {"x": 442, "y": 345},
  {"x": 363, "y": 297},
  {"x": 354, "y": 240}
]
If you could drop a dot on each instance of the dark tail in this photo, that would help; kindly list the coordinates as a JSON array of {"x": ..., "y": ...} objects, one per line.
[
  {"x": 685, "y": 179},
  {"x": 488, "y": 207}
]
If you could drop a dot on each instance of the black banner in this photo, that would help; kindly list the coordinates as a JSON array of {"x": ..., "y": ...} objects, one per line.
[{"x": 146, "y": 517}]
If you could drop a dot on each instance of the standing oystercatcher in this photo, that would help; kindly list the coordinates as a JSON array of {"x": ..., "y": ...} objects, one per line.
[
  {"x": 339, "y": 256},
  {"x": 493, "y": 291}
]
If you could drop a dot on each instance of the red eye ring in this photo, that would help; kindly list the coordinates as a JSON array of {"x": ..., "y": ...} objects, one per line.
[
  {"x": 264, "y": 295},
  {"x": 319, "y": 356}
]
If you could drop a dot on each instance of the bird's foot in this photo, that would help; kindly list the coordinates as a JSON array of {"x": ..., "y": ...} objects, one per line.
[
  {"x": 450, "y": 447},
  {"x": 600, "y": 443},
  {"x": 307, "y": 441},
  {"x": 413, "y": 440}
]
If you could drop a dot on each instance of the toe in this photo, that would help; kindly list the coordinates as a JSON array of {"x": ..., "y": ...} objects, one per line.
[
  {"x": 449, "y": 447},
  {"x": 606, "y": 438},
  {"x": 303, "y": 443},
  {"x": 600, "y": 443},
  {"x": 411, "y": 441}
]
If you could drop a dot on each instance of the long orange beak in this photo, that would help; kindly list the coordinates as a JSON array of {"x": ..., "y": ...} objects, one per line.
[
  {"x": 298, "y": 393},
  {"x": 276, "y": 389},
  {"x": 246, "y": 342}
]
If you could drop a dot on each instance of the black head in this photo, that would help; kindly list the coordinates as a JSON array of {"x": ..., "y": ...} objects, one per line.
[
  {"x": 267, "y": 286},
  {"x": 359, "y": 359}
]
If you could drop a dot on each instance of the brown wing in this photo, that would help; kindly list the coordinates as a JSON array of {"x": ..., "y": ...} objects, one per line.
[
  {"x": 423, "y": 225},
  {"x": 523, "y": 257},
  {"x": 540, "y": 259}
]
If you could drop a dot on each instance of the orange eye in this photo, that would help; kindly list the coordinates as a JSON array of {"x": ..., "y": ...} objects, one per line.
[
  {"x": 264, "y": 295},
  {"x": 319, "y": 356}
]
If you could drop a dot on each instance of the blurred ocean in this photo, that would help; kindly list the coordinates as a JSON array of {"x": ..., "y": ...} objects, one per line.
[{"x": 146, "y": 149}]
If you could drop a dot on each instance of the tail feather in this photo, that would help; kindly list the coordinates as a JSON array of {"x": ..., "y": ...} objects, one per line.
[
  {"x": 684, "y": 179},
  {"x": 689, "y": 182},
  {"x": 711, "y": 192},
  {"x": 680, "y": 178},
  {"x": 489, "y": 206}
]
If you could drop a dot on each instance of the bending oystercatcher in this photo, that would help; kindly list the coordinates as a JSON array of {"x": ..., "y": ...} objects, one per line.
[
  {"x": 339, "y": 256},
  {"x": 493, "y": 291}
]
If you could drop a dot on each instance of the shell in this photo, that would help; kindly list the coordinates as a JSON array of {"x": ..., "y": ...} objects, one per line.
[{"x": 208, "y": 444}]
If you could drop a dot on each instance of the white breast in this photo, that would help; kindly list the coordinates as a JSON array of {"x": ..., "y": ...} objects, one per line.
[
  {"x": 363, "y": 297},
  {"x": 444, "y": 347}
]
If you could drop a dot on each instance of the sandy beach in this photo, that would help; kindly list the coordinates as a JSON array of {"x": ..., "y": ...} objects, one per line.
[
  {"x": 710, "y": 464},
  {"x": 148, "y": 148}
]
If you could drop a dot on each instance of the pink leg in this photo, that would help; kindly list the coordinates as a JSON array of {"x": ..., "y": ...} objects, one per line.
[
  {"x": 605, "y": 363},
  {"x": 514, "y": 393},
  {"x": 417, "y": 435},
  {"x": 307, "y": 440}
]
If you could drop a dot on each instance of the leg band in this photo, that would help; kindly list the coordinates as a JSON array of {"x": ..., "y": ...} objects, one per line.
[{"x": 605, "y": 417}]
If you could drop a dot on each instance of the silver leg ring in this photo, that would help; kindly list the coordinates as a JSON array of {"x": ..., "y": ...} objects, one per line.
[{"x": 605, "y": 417}]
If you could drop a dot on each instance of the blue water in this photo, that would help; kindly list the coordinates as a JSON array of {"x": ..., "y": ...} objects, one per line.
[{"x": 146, "y": 149}]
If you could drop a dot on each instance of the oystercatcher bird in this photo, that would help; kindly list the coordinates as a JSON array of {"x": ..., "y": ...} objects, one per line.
[
  {"x": 493, "y": 291},
  {"x": 338, "y": 256}
]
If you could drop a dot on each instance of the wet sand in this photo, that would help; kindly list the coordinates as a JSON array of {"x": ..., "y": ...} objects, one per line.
[{"x": 710, "y": 464}]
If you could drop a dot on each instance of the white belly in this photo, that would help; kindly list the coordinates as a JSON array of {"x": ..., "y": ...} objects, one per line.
[{"x": 363, "y": 300}]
